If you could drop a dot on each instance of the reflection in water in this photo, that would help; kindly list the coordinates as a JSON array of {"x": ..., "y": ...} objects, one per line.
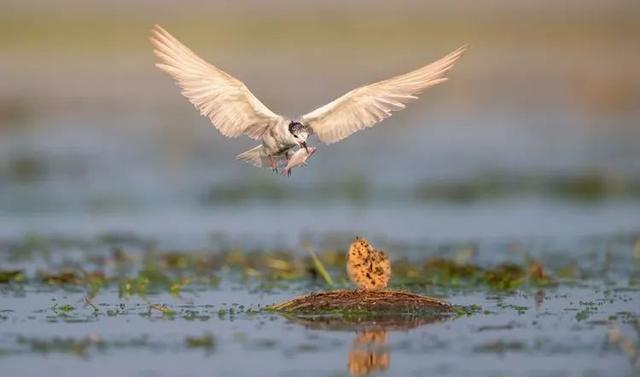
[
  {"x": 538, "y": 298},
  {"x": 369, "y": 352},
  {"x": 625, "y": 342}
]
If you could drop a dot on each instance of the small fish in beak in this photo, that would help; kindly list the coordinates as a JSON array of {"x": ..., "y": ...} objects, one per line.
[{"x": 298, "y": 158}]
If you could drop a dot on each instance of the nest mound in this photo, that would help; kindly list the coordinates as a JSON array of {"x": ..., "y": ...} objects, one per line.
[{"x": 364, "y": 301}]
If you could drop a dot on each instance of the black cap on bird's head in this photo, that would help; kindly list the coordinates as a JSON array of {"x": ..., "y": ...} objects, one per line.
[
  {"x": 300, "y": 132},
  {"x": 295, "y": 127}
]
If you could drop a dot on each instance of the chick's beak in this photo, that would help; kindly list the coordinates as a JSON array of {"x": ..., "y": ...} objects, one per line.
[{"x": 304, "y": 145}]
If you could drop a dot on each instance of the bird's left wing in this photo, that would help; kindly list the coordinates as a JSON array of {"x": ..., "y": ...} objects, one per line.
[
  {"x": 365, "y": 106},
  {"x": 224, "y": 99}
]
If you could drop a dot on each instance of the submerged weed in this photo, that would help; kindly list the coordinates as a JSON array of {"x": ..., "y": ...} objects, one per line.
[
  {"x": 62, "y": 309},
  {"x": 205, "y": 341},
  {"x": 466, "y": 310}
]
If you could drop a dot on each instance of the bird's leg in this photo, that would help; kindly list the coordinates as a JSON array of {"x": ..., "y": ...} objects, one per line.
[{"x": 274, "y": 164}]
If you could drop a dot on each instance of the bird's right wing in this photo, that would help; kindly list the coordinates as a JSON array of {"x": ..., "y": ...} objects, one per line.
[
  {"x": 224, "y": 99},
  {"x": 367, "y": 105}
]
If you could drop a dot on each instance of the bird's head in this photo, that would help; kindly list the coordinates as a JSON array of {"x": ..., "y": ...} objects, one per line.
[{"x": 300, "y": 133}]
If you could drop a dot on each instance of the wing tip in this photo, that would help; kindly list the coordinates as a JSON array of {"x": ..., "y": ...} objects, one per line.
[
  {"x": 457, "y": 53},
  {"x": 161, "y": 37},
  {"x": 156, "y": 28},
  {"x": 157, "y": 32}
]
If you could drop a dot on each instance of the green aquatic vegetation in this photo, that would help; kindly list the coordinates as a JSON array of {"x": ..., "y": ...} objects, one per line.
[
  {"x": 8, "y": 276},
  {"x": 96, "y": 282},
  {"x": 593, "y": 187},
  {"x": 205, "y": 341},
  {"x": 151, "y": 278},
  {"x": 588, "y": 308},
  {"x": 154, "y": 276},
  {"x": 518, "y": 308},
  {"x": 165, "y": 310},
  {"x": 62, "y": 309},
  {"x": 570, "y": 272},
  {"x": 196, "y": 263},
  {"x": 177, "y": 286},
  {"x": 129, "y": 287},
  {"x": 65, "y": 277},
  {"x": 192, "y": 315},
  {"x": 582, "y": 315},
  {"x": 333, "y": 258},
  {"x": 229, "y": 313},
  {"x": 30, "y": 246},
  {"x": 466, "y": 310},
  {"x": 321, "y": 269},
  {"x": 451, "y": 273},
  {"x": 265, "y": 265},
  {"x": 588, "y": 187},
  {"x": 145, "y": 325},
  {"x": 505, "y": 277},
  {"x": 177, "y": 261},
  {"x": 271, "y": 286},
  {"x": 155, "y": 271},
  {"x": 409, "y": 273},
  {"x": 113, "y": 312},
  {"x": 59, "y": 345},
  {"x": 273, "y": 269},
  {"x": 463, "y": 192}
]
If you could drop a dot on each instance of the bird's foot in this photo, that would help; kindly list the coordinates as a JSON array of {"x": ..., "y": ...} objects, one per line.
[
  {"x": 274, "y": 165},
  {"x": 286, "y": 172}
]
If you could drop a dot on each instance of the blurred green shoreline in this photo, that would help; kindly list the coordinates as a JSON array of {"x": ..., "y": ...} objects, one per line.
[{"x": 100, "y": 33}]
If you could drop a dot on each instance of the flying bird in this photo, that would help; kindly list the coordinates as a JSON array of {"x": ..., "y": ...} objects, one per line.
[{"x": 235, "y": 111}]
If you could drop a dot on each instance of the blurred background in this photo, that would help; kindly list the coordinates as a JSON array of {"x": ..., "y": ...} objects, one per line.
[{"x": 535, "y": 135}]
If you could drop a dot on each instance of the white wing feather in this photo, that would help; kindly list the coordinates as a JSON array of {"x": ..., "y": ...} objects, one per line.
[
  {"x": 365, "y": 106},
  {"x": 225, "y": 100}
]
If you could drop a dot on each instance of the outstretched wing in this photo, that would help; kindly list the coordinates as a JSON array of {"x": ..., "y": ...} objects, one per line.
[
  {"x": 225, "y": 100},
  {"x": 365, "y": 106}
]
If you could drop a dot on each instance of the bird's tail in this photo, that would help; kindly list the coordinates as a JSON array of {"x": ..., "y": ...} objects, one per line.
[{"x": 254, "y": 156}]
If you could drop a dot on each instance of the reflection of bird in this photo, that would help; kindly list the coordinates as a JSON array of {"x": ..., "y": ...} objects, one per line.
[
  {"x": 369, "y": 353},
  {"x": 367, "y": 267},
  {"x": 235, "y": 111}
]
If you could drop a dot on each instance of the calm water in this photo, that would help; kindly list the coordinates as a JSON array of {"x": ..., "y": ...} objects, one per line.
[
  {"x": 585, "y": 325},
  {"x": 64, "y": 182}
]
